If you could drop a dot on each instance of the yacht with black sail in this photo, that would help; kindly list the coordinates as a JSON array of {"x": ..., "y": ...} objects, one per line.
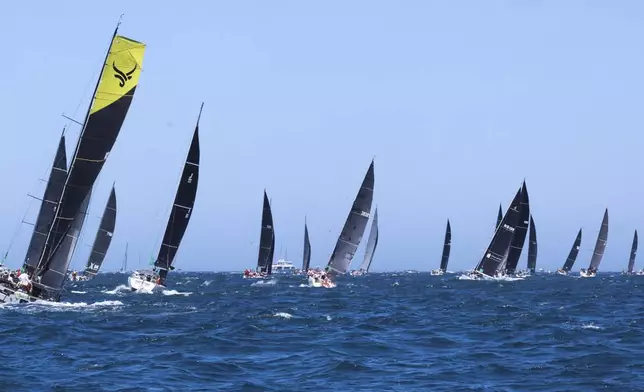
[
  {"x": 372, "y": 243},
  {"x": 492, "y": 264},
  {"x": 306, "y": 250},
  {"x": 447, "y": 246},
  {"x": 351, "y": 235},
  {"x": 266, "y": 250},
  {"x": 520, "y": 232},
  {"x": 182, "y": 208},
  {"x": 572, "y": 256},
  {"x": 598, "y": 253},
  {"x": 631, "y": 259},
  {"x": 46, "y": 265}
]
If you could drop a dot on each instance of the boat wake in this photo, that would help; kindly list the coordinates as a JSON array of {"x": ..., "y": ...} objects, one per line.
[
  {"x": 78, "y": 292},
  {"x": 490, "y": 278},
  {"x": 64, "y": 306},
  {"x": 264, "y": 282},
  {"x": 175, "y": 292},
  {"x": 118, "y": 289}
]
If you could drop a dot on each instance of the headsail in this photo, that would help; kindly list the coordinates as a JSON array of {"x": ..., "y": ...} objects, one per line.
[
  {"x": 447, "y": 245},
  {"x": 499, "y": 216},
  {"x": 372, "y": 243},
  {"x": 572, "y": 256},
  {"x": 600, "y": 245},
  {"x": 103, "y": 237},
  {"x": 495, "y": 255},
  {"x": 47, "y": 211},
  {"x": 354, "y": 227},
  {"x": 110, "y": 103},
  {"x": 266, "y": 239},
  {"x": 631, "y": 260},
  {"x": 184, "y": 202},
  {"x": 306, "y": 257},
  {"x": 532, "y": 247},
  {"x": 518, "y": 240}
]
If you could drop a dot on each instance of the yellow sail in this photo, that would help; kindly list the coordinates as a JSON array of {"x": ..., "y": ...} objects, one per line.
[{"x": 121, "y": 72}]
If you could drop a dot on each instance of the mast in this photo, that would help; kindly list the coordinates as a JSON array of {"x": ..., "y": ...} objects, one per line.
[
  {"x": 124, "y": 264},
  {"x": 532, "y": 247},
  {"x": 372, "y": 243},
  {"x": 353, "y": 229},
  {"x": 181, "y": 208},
  {"x": 447, "y": 246},
  {"x": 103, "y": 237},
  {"x": 572, "y": 256}
]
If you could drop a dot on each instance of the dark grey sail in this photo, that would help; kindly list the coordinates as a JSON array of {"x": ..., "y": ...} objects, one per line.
[
  {"x": 306, "y": 257},
  {"x": 447, "y": 246},
  {"x": 372, "y": 243},
  {"x": 266, "y": 239},
  {"x": 47, "y": 211},
  {"x": 520, "y": 232},
  {"x": 631, "y": 260},
  {"x": 499, "y": 216},
  {"x": 600, "y": 245},
  {"x": 353, "y": 229},
  {"x": 495, "y": 255},
  {"x": 57, "y": 272},
  {"x": 532, "y": 247},
  {"x": 572, "y": 256},
  {"x": 103, "y": 237},
  {"x": 184, "y": 202}
]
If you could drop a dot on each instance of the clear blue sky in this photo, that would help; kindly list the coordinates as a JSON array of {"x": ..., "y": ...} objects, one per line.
[{"x": 458, "y": 101}]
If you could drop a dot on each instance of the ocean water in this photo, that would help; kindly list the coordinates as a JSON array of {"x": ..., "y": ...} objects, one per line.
[{"x": 381, "y": 332}]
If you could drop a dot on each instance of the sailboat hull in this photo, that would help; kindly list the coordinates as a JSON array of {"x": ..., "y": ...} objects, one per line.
[
  {"x": 437, "y": 272},
  {"x": 137, "y": 283},
  {"x": 11, "y": 296},
  {"x": 585, "y": 274},
  {"x": 318, "y": 283}
]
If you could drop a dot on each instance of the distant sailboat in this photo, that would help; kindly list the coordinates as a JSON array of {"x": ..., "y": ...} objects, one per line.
[
  {"x": 518, "y": 240},
  {"x": 123, "y": 268},
  {"x": 447, "y": 245},
  {"x": 598, "y": 253},
  {"x": 352, "y": 232},
  {"x": 266, "y": 250},
  {"x": 306, "y": 257},
  {"x": 180, "y": 215},
  {"x": 372, "y": 243},
  {"x": 532, "y": 247},
  {"x": 572, "y": 256},
  {"x": 631, "y": 259},
  {"x": 493, "y": 261},
  {"x": 103, "y": 237}
]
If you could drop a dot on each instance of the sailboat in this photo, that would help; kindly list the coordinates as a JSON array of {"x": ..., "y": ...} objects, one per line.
[
  {"x": 598, "y": 253},
  {"x": 572, "y": 256},
  {"x": 306, "y": 254},
  {"x": 103, "y": 238},
  {"x": 532, "y": 248},
  {"x": 631, "y": 259},
  {"x": 46, "y": 272},
  {"x": 492, "y": 263},
  {"x": 372, "y": 243},
  {"x": 351, "y": 235},
  {"x": 447, "y": 245},
  {"x": 123, "y": 268},
  {"x": 178, "y": 220},
  {"x": 518, "y": 239},
  {"x": 265, "y": 253}
]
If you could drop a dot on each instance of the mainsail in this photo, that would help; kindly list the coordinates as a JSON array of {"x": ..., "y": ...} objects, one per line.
[
  {"x": 495, "y": 255},
  {"x": 572, "y": 256},
  {"x": 499, "y": 216},
  {"x": 306, "y": 257},
  {"x": 124, "y": 265},
  {"x": 57, "y": 272},
  {"x": 184, "y": 202},
  {"x": 354, "y": 227},
  {"x": 110, "y": 103},
  {"x": 372, "y": 243},
  {"x": 47, "y": 211},
  {"x": 532, "y": 247},
  {"x": 518, "y": 240},
  {"x": 103, "y": 237},
  {"x": 266, "y": 239},
  {"x": 631, "y": 260},
  {"x": 447, "y": 245},
  {"x": 600, "y": 245}
]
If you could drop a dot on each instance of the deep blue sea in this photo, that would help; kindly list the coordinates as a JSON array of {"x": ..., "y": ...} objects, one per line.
[{"x": 381, "y": 332}]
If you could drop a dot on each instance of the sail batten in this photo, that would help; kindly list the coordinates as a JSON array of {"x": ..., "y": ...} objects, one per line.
[
  {"x": 354, "y": 227},
  {"x": 372, "y": 243},
  {"x": 447, "y": 245},
  {"x": 103, "y": 237},
  {"x": 182, "y": 207}
]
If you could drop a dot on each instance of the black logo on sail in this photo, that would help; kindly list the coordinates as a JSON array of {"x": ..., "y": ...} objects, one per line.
[{"x": 122, "y": 76}]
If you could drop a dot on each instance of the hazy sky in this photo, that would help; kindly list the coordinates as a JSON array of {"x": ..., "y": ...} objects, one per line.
[{"x": 458, "y": 101}]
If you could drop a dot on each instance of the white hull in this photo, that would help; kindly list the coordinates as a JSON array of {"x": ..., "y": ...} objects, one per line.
[
  {"x": 11, "y": 296},
  {"x": 437, "y": 272},
  {"x": 564, "y": 273},
  {"x": 138, "y": 284},
  {"x": 584, "y": 274},
  {"x": 318, "y": 283}
]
